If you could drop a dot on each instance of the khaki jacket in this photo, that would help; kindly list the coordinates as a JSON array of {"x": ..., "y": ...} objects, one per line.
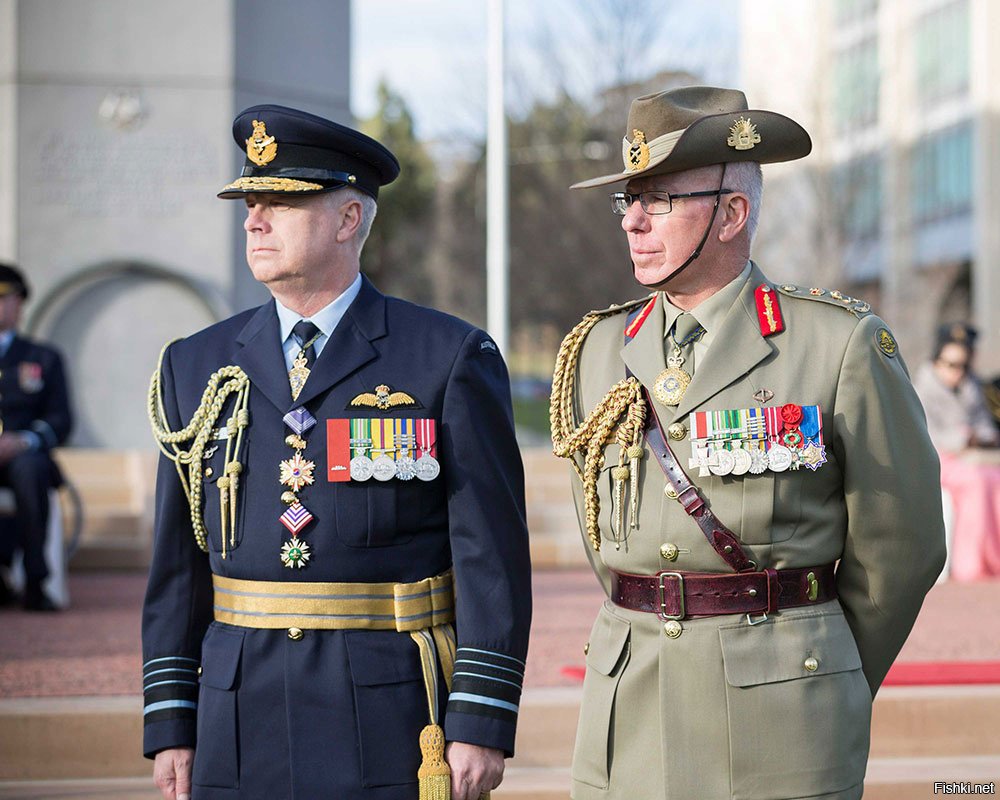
[{"x": 727, "y": 709}]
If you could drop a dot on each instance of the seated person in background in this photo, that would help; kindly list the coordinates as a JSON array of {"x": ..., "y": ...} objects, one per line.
[
  {"x": 957, "y": 416},
  {"x": 34, "y": 418},
  {"x": 960, "y": 425}
]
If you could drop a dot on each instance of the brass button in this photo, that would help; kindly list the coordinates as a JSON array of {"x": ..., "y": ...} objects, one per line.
[
  {"x": 811, "y": 664},
  {"x": 586, "y": 648},
  {"x": 208, "y": 472},
  {"x": 677, "y": 431},
  {"x": 673, "y": 628},
  {"x": 199, "y": 670},
  {"x": 669, "y": 551},
  {"x": 295, "y": 634},
  {"x": 670, "y": 492}
]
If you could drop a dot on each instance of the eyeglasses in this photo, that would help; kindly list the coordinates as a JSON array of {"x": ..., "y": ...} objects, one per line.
[{"x": 655, "y": 202}]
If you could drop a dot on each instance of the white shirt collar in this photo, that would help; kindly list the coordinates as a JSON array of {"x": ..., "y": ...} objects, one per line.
[{"x": 326, "y": 319}]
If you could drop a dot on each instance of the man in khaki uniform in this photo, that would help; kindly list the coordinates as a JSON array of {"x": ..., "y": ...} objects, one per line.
[{"x": 763, "y": 570}]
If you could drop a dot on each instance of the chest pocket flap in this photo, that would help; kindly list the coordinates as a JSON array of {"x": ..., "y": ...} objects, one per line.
[{"x": 220, "y": 657}]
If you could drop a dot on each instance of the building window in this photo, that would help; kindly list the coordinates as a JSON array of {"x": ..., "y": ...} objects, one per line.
[
  {"x": 858, "y": 190},
  {"x": 848, "y": 11},
  {"x": 856, "y": 86},
  {"x": 941, "y": 174},
  {"x": 942, "y": 52}
]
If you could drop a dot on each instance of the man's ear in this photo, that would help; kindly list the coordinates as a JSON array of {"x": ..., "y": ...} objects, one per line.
[
  {"x": 735, "y": 215},
  {"x": 350, "y": 219}
]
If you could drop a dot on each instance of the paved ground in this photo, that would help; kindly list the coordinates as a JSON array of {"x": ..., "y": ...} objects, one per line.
[{"x": 93, "y": 649}]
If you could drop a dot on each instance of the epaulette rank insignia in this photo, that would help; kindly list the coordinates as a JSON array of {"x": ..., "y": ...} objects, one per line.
[
  {"x": 768, "y": 311},
  {"x": 829, "y": 296}
]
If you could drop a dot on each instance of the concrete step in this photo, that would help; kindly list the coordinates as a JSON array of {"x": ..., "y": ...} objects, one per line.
[
  {"x": 888, "y": 779},
  {"x": 98, "y": 737}
]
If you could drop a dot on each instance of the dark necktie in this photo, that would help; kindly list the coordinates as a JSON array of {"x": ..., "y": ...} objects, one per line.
[{"x": 305, "y": 334}]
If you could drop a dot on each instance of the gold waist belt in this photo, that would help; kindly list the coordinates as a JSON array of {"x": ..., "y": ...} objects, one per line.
[{"x": 335, "y": 606}]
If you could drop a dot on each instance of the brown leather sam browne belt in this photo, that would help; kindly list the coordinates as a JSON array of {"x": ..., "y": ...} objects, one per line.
[{"x": 678, "y": 595}]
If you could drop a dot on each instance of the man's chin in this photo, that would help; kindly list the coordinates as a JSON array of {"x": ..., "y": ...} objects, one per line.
[{"x": 652, "y": 277}]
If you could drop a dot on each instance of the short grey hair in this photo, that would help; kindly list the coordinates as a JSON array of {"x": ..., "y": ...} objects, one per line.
[
  {"x": 746, "y": 178},
  {"x": 369, "y": 208}
]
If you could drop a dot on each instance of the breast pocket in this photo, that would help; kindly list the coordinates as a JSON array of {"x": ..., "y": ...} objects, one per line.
[
  {"x": 376, "y": 514},
  {"x": 607, "y": 658},
  {"x": 388, "y": 686},
  {"x": 799, "y": 707},
  {"x": 212, "y": 469},
  {"x": 216, "y": 759}
]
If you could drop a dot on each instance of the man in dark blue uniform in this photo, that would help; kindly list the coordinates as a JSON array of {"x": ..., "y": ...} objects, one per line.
[
  {"x": 347, "y": 461},
  {"x": 34, "y": 417}
]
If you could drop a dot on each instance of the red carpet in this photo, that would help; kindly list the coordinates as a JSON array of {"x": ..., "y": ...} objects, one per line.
[{"x": 934, "y": 673}]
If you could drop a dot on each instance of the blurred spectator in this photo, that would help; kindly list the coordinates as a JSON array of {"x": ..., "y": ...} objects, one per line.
[
  {"x": 957, "y": 415},
  {"x": 34, "y": 418},
  {"x": 961, "y": 427}
]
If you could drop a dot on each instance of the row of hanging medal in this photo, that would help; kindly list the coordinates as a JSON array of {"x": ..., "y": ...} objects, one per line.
[
  {"x": 357, "y": 450},
  {"x": 755, "y": 440}
]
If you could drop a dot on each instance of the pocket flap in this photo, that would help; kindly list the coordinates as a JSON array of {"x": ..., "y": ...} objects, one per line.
[
  {"x": 220, "y": 657},
  {"x": 608, "y": 640},
  {"x": 779, "y": 650},
  {"x": 379, "y": 657}
]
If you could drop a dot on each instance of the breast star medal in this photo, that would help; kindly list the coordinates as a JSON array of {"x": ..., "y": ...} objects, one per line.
[
  {"x": 295, "y": 553},
  {"x": 670, "y": 385},
  {"x": 296, "y": 472}
]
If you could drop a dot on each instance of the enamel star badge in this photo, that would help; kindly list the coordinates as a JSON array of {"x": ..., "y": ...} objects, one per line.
[
  {"x": 295, "y": 553},
  {"x": 296, "y": 472}
]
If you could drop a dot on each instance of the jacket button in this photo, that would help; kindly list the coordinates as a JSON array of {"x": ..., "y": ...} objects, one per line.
[
  {"x": 673, "y": 628},
  {"x": 199, "y": 670},
  {"x": 669, "y": 551},
  {"x": 586, "y": 648},
  {"x": 811, "y": 664},
  {"x": 670, "y": 492},
  {"x": 677, "y": 431},
  {"x": 295, "y": 634}
]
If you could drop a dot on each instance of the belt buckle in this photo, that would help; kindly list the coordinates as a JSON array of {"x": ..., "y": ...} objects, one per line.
[{"x": 680, "y": 595}]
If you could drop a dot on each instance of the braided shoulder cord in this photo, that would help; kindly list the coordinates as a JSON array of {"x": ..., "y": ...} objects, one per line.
[
  {"x": 222, "y": 383},
  {"x": 591, "y": 435}
]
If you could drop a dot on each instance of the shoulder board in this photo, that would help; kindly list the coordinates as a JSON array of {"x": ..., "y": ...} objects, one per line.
[
  {"x": 829, "y": 296},
  {"x": 617, "y": 308}
]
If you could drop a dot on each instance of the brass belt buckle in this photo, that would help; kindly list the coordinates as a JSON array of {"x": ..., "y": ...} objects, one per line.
[{"x": 680, "y": 594}]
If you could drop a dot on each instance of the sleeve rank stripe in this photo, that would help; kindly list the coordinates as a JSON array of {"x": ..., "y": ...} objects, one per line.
[
  {"x": 491, "y": 654},
  {"x": 484, "y": 678},
  {"x": 481, "y": 688},
  {"x": 165, "y": 704},
  {"x": 170, "y": 658},
  {"x": 479, "y": 710},
  {"x": 480, "y": 699},
  {"x": 166, "y": 683},
  {"x": 470, "y": 664}
]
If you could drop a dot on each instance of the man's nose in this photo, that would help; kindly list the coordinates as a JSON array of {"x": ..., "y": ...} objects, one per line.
[
  {"x": 255, "y": 220},
  {"x": 635, "y": 218}
]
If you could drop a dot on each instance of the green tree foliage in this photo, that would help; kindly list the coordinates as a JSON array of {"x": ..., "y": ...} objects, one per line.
[{"x": 394, "y": 256}]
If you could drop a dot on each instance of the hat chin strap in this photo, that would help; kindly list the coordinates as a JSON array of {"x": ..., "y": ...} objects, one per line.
[{"x": 697, "y": 251}]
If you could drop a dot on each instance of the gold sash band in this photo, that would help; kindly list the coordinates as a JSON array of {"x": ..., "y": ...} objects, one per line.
[{"x": 335, "y": 606}]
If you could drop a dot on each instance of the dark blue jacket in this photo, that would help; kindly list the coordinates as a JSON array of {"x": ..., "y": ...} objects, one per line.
[
  {"x": 338, "y": 713},
  {"x": 33, "y": 392}
]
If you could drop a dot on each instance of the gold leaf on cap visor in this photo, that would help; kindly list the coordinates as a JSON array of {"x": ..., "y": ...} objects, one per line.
[{"x": 265, "y": 184}]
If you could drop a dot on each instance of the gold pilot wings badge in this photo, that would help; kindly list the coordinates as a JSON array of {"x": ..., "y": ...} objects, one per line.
[{"x": 383, "y": 399}]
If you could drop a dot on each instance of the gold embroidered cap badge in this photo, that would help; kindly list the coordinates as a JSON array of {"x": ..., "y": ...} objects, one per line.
[
  {"x": 261, "y": 148},
  {"x": 637, "y": 153}
]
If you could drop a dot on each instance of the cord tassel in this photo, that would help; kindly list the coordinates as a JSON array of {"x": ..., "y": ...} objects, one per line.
[
  {"x": 224, "y": 490},
  {"x": 434, "y": 775}
]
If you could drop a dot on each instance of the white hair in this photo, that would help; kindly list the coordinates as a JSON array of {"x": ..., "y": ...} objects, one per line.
[
  {"x": 746, "y": 178},
  {"x": 369, "y": 208}
]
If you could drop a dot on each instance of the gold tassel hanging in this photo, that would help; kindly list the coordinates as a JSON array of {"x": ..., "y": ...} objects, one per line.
[
  {"x": 620, "y": 475},
  {"x": 233, "y": 470},
  {"x": 434, "y": 775},
  {"x": 224, "y": 487},
  {"x": 635, "y": 452}
]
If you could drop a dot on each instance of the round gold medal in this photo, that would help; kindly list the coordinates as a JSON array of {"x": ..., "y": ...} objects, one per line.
[{"x": 670, "y": 385}]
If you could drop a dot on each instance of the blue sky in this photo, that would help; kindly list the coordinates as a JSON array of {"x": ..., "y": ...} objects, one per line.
[{"x": 434, "y": 52}]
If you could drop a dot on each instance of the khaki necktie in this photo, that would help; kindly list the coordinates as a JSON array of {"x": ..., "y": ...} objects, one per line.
[{"x": 685, "y": 332}]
